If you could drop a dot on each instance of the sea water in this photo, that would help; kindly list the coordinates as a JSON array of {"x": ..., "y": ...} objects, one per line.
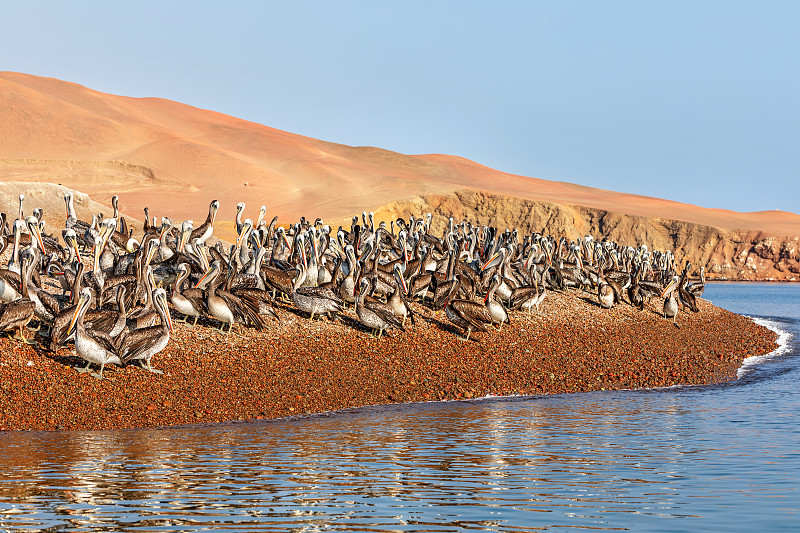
[{"x": 708, "y": 458}]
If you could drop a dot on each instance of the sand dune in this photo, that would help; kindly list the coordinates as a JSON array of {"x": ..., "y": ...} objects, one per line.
[{"x": 176, "y": 158}]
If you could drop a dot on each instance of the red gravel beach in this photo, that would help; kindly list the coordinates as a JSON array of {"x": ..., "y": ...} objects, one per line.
[{"x": 299, "y": 367}]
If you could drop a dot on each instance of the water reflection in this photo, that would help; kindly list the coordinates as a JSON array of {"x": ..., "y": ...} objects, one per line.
[
  {"x": 487, "y": 464},
  {"x": 720, "y": 457}
]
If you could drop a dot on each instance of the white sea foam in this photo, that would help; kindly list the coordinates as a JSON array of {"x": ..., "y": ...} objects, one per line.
[{"x": 782, "y": 341}]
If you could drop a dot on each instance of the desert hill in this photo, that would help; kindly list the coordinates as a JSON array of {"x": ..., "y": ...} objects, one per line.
[{"x": 175, "y": 159}]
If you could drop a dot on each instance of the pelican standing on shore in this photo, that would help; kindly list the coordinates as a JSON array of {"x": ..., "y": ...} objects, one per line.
[
  {"x": 142, "y": 344},
  {"x": 91, "y": 345},
  {"x": 670, "y": 301}
]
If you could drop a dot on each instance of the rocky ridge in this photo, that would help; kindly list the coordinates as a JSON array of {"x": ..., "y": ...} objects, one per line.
[{"x": 726, "y": 254}]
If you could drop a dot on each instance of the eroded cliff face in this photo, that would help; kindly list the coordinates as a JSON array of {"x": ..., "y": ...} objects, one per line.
[{"x": 726, "y": 254}]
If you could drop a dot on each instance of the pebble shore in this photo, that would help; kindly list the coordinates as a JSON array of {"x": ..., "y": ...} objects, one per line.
[{"x": 298, "y": 367}]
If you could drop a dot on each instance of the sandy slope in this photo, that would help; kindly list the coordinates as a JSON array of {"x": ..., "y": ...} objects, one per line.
[{"x": 176, "y": 159}]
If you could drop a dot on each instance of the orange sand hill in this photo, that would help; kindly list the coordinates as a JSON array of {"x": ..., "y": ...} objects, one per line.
[{"x": 175, "y": 159}]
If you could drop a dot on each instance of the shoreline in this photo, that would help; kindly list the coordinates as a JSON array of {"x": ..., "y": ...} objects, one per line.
[{"x": 296, "y": 367}]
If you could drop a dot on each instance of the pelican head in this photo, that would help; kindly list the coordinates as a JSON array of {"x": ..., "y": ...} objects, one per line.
[{"x": 673, "y": 284}]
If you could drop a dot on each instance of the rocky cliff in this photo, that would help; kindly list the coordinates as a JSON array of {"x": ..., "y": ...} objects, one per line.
[{"x": 726, "y": 254}]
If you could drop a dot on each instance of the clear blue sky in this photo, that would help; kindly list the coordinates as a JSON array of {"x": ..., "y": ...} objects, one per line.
[{"x": 696, "y": 101}]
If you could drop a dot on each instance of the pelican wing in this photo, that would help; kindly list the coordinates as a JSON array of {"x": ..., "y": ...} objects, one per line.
[
  {"x": 120, "y": 279},
  {"x": 384, "y": 313},
  {"x": 278, "y": 279},
  {"x": 259, "y": 299},
  {"x": 196, "y": 298},
  {"x": 244, "y": 310},
  {"x": 474, "y": 313},
  {"x": 650, "y": 289},
  {"x": 103, "y": 339},
  {"x": 137, "y": 341},
  {"x": 48, "y": 300},
  {"x": 320, "y": 292},
  {"x": 522, "y": 294},
  {"x": 11, "y": 314},
  {"x": 244, "y": 281},
  {"x": 101, "y": 320},
  {"x": 11, "y": 277}
]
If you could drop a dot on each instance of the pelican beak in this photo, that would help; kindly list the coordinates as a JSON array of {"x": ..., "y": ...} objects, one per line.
[
  {"x": 169, "y": 318},
  {"x": 201, "y": 280},
  {"x": 668, "y": 288},
  {"x": 151, "y": 252},
  {"x": 203, "y": 257},
  {"x": 402, "y": 280},
  {"x": 105, "y": 233},
  {"x": 490, "y": 260},
  {"x": 96, "y": 251},
  {"x": 39, "y": 237},
  {"x": 74, "y": 244},
  {"x": 72, "y": 322},
  {"x": 334, "y": 245},
  {"x": 182, "y": 242}
]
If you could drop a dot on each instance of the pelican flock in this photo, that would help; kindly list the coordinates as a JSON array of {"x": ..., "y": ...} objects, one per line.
[{"x": 110, "y": 293}]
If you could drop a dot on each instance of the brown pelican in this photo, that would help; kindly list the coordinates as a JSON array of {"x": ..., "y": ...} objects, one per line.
[
  {"x": 73, "y": 222},
  {"x": 687, "y": 298},
  {"x": 248, "y": 290},
  {"x": 698, "y": 287},
  {"x": 226, "y": 307},
  {"x": 314, "y": 300},
  {"x": 441, "y": 285},
  {"x": 143, "y": 343},
  {"x": 165, "y": 251},
  {"x": 347, "y": 288},
  {"x": 495, "y": 308},
  {"x": 148, "y": 315},
  {"x": 635, "y": 294},
  {"x": 185, "y": 300},
  {"x": 119, "y": 235},
  {"x": 13, "y": 262},
  {"x": 10, "y": 283},
  {"x": 670, "y": 302},
  {"x": 527, "y": 297},
  {"x": 47, "y": 305},
  {"x": 204, "y": 231},
  {"x": 108, "y": 321},
  {"x": 18, "y": 314},
  {"x": 310, "y": 262},
  {"x": 276, "y": 278},
  {"x": 466, "y": 314},
  {"x": 374, "y": 314},
  {"x": 606, "y": 294},
  {"x": 397, "y": 301},
  {"x": 381, "y": 282},
  {"x": 239, "y": 209},
  {"x": 420, "y": 279},
  {"x": 500, "y": 259},
  {"x": 92, "y": 345},
  {"x": 96, "y": 278}
]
